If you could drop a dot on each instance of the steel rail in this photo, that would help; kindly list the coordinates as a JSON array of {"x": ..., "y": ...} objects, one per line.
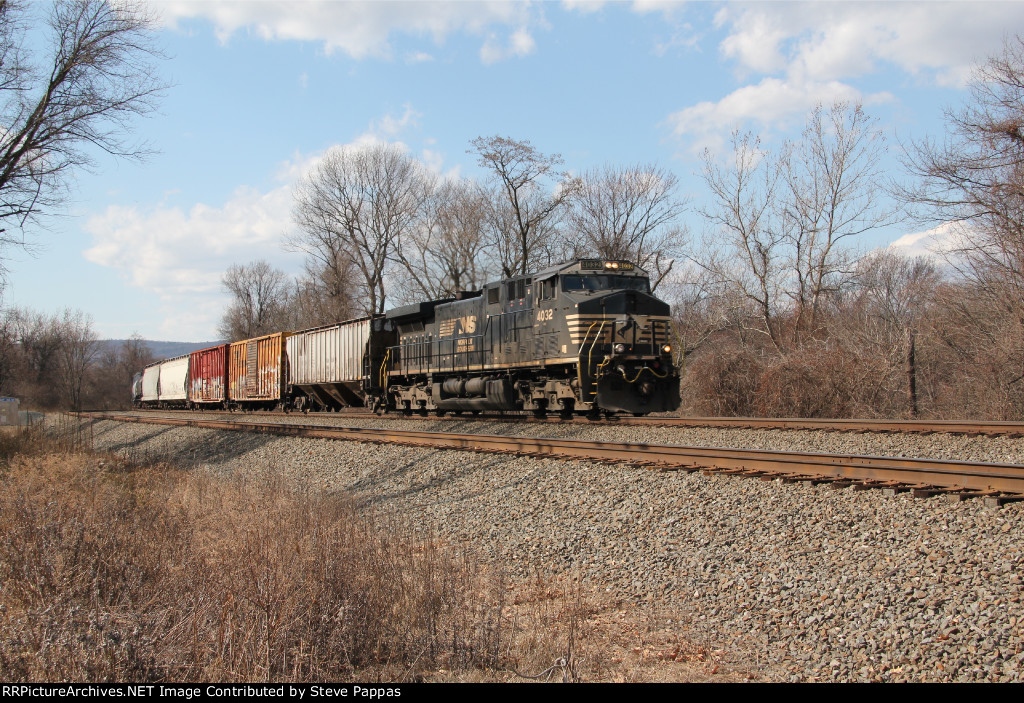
[
  {"x": 851, "y": 425},
  {"x": 984, "y": 478},
  {"x": 988, "y": 427}
]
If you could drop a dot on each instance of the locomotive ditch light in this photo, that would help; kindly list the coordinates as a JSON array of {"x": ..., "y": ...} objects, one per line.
[
  {"x": 667, "y": 348},
  {"x": 620, "y": 348}
]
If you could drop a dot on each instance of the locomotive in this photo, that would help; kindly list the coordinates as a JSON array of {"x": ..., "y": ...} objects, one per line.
[{"x": 585, "y": 336}]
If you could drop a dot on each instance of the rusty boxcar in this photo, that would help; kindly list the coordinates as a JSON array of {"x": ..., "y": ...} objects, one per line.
[{"x": 258, "y": 371}]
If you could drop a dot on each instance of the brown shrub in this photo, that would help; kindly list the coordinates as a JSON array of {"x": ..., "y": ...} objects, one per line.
[
  {"x": 825, "y": 382},
  {"x": 118, "y": 573},
  {"x": 722, "y": 383}
]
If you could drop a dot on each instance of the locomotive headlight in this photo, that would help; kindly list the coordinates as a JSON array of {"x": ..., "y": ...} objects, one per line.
[
  {"x": 667, "y": 348},
  {"x": 611, "y": 264},
  {"x": 620, "y": 348}
]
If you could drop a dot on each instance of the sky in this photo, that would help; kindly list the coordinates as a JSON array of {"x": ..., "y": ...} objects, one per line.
[{"x": 258, "y": 91}]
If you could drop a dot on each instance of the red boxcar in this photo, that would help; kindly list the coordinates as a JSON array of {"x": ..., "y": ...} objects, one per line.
[{"x": 208, "y": 384}]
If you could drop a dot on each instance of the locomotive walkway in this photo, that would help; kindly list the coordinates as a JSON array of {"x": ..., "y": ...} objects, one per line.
[{"x": 996, "y": 483}]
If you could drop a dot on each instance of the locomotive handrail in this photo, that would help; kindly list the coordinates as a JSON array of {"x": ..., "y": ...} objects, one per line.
[
  {"x": 413, "y": 352},
  {"x": 579, "y": 367}
]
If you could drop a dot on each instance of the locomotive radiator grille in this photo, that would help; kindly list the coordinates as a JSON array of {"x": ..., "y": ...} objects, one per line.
[{"x": 653, "y": 329}]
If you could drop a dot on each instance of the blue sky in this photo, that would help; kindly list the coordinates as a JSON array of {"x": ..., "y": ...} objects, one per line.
[{"x": 258, "y": 90}]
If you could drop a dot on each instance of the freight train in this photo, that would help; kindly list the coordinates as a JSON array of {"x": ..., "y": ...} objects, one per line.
[{"x": 585, "y": 336}]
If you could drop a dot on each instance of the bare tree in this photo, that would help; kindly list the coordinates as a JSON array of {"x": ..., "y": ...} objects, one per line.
[
  {"x": 702, "y": 307},
  {"x": 788, "y": 219},
  {"x": 39, "y": 341},
  {"x": 885, "y": 311},
  {"x": 630, "y": 213},
  {"x": 78, "y": 348},
  {"x": 92, "y": 78},
  {"x": 834, "y": 193},
  {"x": 259, "y": 300},
  {"x": 325, "y": 294},
  {"x": 974, "y": 179},
  {"x": 133, "y": 355},
  {"x": 359, "y": 202},
  {"x": 449, "y": 250},
  {"x": 10, "y": 355},
  {"x": 110, "y": 379},
  {"x": 527, "y": 196},
  {"x": 744, "y": 249}
]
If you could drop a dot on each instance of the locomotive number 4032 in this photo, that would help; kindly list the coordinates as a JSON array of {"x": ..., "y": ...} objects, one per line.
[{"x": 545, "y": 315}]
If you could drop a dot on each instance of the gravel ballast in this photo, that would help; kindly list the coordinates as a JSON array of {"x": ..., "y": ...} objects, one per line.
[{"x": 812, "y": 583}]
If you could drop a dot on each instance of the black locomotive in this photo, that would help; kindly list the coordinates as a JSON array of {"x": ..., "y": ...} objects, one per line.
[{"x": 584, "y": 336}]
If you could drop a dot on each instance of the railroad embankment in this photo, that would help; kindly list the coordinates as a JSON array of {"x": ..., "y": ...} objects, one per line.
[
  {"x": 124, "y": 567},
  {"x": 809, "y": 583}
]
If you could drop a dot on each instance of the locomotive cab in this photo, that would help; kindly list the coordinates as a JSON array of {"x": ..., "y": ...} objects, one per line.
[{"x": 617, "y": 332}]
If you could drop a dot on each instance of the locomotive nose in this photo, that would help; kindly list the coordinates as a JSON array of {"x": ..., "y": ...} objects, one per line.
[{"x": 627, "y": 302}]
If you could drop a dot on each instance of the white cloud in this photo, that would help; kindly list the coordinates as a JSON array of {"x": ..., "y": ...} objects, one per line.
[
  {"x": 390, "y": 126},
  {"x": 359, "y": 29},
  {"x": 181, "y": 253},
  {"x": 772, "y": 103},
  {"x": 173, "y": 251},
  {"x": 584, "y": 7},
  {"x": 520, "y": 43},
  {"x": 666, "y": 7},
  {"x": 825, "y": 41},
  {"x": 933, "y": 243},
  {"x": 799, "y": 54}
]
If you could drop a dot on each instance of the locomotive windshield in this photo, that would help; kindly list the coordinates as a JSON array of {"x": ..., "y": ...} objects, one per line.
[{"x": 605, "y": 282}]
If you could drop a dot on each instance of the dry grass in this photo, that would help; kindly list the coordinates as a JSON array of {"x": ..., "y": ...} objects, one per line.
[{"x": 115, "y": 571}]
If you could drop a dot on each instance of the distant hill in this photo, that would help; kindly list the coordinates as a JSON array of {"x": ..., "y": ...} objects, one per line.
[{"x": 161, "y": 350}]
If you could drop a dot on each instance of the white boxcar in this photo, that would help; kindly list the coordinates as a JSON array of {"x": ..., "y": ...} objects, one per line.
[
  {"x": 326, "y": 365},
  {"x": 173, "y": 380},
  {"x": 151, "y": 383}
]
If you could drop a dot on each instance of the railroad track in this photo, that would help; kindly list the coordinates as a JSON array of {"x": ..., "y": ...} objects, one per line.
[
  {"x": 993, "y": 428},
  {"x": 996, "y": 483}
]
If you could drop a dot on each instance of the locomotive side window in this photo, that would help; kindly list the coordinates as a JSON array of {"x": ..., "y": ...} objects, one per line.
[
  {"x": 492, "y": 295},
  {"x": 546, "y": 289}
]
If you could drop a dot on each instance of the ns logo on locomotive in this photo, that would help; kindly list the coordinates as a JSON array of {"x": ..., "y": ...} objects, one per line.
[{"x": 584, "y": 336}]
